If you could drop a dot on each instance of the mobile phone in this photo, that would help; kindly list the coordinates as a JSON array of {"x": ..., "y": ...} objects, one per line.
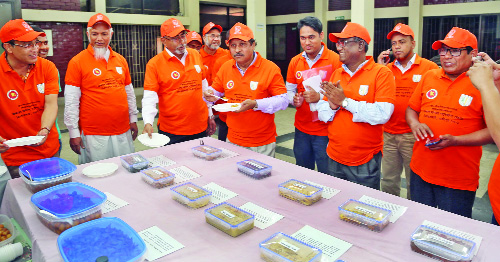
[
  {"x": 388, "y": 59},
  {"x": 433, "y": 142}
]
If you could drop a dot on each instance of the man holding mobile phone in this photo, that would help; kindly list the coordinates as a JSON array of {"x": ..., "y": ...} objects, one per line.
[
  {"x": 446, "y": 107},
  {"x": 408, "y": 69}
]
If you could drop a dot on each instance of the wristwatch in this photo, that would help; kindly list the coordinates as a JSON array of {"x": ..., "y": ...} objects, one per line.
[{"x": 344, "y": 103}]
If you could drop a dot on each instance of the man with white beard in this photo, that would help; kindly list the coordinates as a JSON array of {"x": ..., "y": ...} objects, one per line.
[{"x": 100, "y": 106}]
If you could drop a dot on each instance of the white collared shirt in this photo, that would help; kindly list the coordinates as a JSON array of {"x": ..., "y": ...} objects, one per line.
[
  {"x": 408, "y": 66},
  {"x": 183, "y": 59}
]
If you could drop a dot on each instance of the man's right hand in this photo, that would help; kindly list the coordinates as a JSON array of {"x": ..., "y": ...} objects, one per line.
[
  {"x": 3, "y": 147},
  {"x": 209, "y": 96},
  {"x": 148, "y": 129},
  {"x": 383, "y": 57},
  {"x": 298, "y": 99},
  {"x": 75, "y": 144},
  {"x": 421, "y": 131}
]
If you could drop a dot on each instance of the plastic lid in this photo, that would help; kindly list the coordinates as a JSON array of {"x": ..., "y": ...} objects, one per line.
[
  {"x": 68, "y": 199},
  {"x": 46, "y": 169},
  {"x": 107, "y": 236}
]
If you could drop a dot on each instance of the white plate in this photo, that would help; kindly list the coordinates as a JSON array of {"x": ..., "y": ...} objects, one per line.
[
  {"x": 3, "y": 170},
  {"x": 24, "y": 141},
  {"x": 100, "y": 170},
  {"x": 157, "y": 140},
  {"x": 227, "y": 107}
]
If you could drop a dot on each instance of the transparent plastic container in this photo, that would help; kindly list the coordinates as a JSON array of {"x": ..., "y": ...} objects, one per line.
[
  {"x": 158, "y": 177},
  {"x": 206, "y": 152},
  {"x": 44, "y": 173},
  {"x": 191, "y": 195},
  {"x": 441, "y": 245},
  {"x": 229, "y": 219},
  {"x": 134, "y": 162},
  {"x": 68, "y": 205},
  {"x": 366, "y": 215},
  {"x": 5, "y": 223},
  {"x": 284, "y": 248},
  {"x": 254, "y": 168},
  {"x": 107, "y": 236},
  {"x": 300, "y": 191}
]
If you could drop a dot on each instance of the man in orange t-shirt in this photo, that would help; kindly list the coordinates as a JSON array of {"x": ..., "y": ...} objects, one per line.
[
  {"x": 408, "y": 69},
  {"x": 28, "y": 103},
  {"x": 485, "y": 76},
  {"x": 175, "y": 79},
  {"x": 360, "y": 99},
  {"x": 311, "y": 135},
  {"x": 100, "y": 106},
  {"x": 446, "y": 117},
  {"x": 257, "y": 84},
  {"x": 194, "y": 41}
]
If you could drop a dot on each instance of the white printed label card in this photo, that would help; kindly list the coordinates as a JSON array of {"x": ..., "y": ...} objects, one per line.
[
  {"x": 263, "y": 217},
  {"x": 158, "y": 243},
  {"x": 183, "y": 174},
  {"x": 397, "y": 210},
  {"x": 219, "y": 194},
  {"x": 331, "y": 246},
  {"x": 112, "y": 203},
  {"x": 160, "y": 160},
  {"x": 328, "y": 192}
]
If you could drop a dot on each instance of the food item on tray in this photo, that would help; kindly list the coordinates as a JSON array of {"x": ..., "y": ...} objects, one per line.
[
  {"x": 158, "y": 177},
  {"x": 4, "y": 233},
  {"x": 191, "y": 195},
  {"x": 134, "y": 163},
  {"x": 372, "y": 217},
  {"x": 301, "y": 192},
  {"x": 229, "y": 219},
  {"x": 206, "y": 152},
  {"x": 282, "y": 248}
]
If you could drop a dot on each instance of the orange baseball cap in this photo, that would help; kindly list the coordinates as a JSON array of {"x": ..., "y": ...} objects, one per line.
[
  {"x": 240, "y": 31},
  {"x": 193, "y": 36},
  {"x": 402, "y": 29},
  {"x": 457, "y": 38},
  {"x": 18, "y": 30},
  {"x": 209, "y": 27},
  {"x": 351, "y": 30},
  {"x": 172, "y": 27},
  {"x": 98, "y": 18}
]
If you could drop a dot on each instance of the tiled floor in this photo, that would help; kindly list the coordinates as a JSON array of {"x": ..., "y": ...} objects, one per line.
[{"x": 285, "y": 129}]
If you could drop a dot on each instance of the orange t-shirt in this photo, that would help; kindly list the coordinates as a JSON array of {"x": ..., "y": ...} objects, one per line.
[
  {"x": 405, "y": 85},
  {"x": 494, "y": 189},
  {"x": 209, "y": 61},
  {"x": 303, "y": 116},
  {"x": 262, "y": 79},
  {"x": 448, "y": 107},
  {"x": 351, "y": 143},
  {"x": 103, "y": 104},
  {"x": 21, "y": 108},
  {"x": 182, "y": 110},
  {"x": 216, "y": 67}
]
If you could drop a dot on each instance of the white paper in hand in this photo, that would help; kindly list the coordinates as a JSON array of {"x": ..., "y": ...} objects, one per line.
[{"x": 313, "y": 82}]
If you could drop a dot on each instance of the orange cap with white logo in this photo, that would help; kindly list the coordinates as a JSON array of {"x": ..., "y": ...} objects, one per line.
[
  {"x": 98, "y": 18},
  {"x": 402, "y": 29},
  {"x": 457, "y": 38},
  {"x": 172, "y": 27},
  {"x": 193, "y": 36},
  {"x": 209, "y": 27},
  {"x": 18, "y": 30},
  {"x": 240, "y": 31},
  {"x": 351, "y": 30}
]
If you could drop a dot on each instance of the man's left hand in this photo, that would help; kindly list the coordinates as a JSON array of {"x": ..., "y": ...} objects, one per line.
[
  {"x": 43, "y": 132},
  {"x": 212, "y": 126},
  {"x": 134, "y": 130},
  {"x": 311, "y": 96},
  {"x": 246, "y": 105},
  {"x": 446, "y": 141}
]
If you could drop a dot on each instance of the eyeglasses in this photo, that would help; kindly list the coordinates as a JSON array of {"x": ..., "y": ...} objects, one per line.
[
  {"x": 29, "y": 45},
  {"x": 343, "y": 43},
  {"x": 240, "y": 45},
  {"x": 453, "y": 51},
  {"x": 178, "y": 38},
  {"x": 214, "y": 36}
]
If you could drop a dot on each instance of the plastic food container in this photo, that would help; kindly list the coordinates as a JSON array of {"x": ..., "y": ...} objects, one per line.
[
  {"x": 64, "y": 206},
  {"x": 254, "y": 168},
  {"x": 104, "y": 237},
  {"x": 284, "y": 248},
  {"x": 44, "y": 173},
  {"x": 441, "y": 245},
  {"x": 229, "y": 219},
  {"x": 359, "y": 213},
  {"x": 6, "y": 224},
  {"x": 134, "y": 162},
  {"x": 206, "y": 152},
  {"x": 191, "y": 195},
  {"x": 300, "y": 191},
  {"x": 158, "y": 177}
]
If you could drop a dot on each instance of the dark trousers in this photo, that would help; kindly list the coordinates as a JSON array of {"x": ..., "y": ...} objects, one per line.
[
  {"x": 310, "y": 151},
  {"x": 367, "y": 174},
  {"x": 456, "y": 201},
  {"x": 174, "y": 139},
  {"x": 494, "y": 221},
  {"x": 222, "y": 127}
]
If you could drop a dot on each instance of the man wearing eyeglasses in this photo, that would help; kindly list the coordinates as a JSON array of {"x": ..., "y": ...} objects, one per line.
[
  {"x": 408, "y": 69},
  {"x": 28, "y": 97},
  {"x": 175, "y": 79},
  {"x": 257, "y": 84},
  {"x": 359, "y": 101},
  {"x": 100, "y": 106},
  {"x": 311, "y": 135},
  {"x": 445, "y": 114}
]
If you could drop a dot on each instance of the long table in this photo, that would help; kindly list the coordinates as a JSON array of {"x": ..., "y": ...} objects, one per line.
[{"x": 154, "y": 207}]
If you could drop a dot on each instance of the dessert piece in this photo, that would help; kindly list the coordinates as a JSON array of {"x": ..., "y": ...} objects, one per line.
[
  {"x": 229, "y": 219},
  {"x": 300, "y": 191},
  {"x": 206, "y": 152},
  {"x": 254, "y": 168},
  {"x": 359, "y": 213},
  {"x": 191, "y": 195},
  {"x": 283, "y": 248},
  {"x": 134, "y": 163},
  {"x": 158, "y": 177}
]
